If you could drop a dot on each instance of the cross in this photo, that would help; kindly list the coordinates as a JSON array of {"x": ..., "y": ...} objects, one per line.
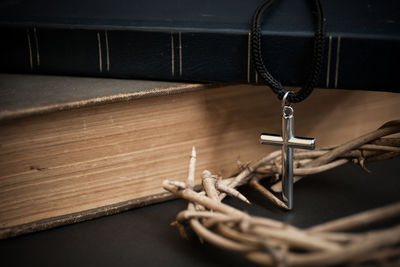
[{"x": 288, "y": 142}]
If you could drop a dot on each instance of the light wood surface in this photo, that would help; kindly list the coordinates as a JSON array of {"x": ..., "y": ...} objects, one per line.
[{"x": 68, "y": 162}]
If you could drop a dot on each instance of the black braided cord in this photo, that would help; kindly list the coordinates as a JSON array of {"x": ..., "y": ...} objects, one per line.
[{"x": 318, "y": 50}]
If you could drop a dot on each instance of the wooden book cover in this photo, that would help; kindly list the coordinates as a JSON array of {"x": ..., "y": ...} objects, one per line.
[{"x": 73, "y": 149}]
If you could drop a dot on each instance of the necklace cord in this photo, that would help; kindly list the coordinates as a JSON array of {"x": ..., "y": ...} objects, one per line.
[{"x": 318, "y": 52}]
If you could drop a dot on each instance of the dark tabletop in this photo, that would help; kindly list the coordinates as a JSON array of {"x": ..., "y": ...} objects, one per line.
[{"x": 144, "y": 237}]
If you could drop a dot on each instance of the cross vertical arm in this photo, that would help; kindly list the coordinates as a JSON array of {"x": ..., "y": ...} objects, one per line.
[{"x": 288, "y": 141}]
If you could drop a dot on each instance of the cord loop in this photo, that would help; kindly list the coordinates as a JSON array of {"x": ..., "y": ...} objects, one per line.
[{"x": 318, "y": 51}]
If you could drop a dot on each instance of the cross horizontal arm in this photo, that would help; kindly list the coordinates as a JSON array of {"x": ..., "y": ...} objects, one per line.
[
  {"x": 271, "y": 139},
  {"x": 301, "y": 142},
  {"x": 294, "y": 142}
]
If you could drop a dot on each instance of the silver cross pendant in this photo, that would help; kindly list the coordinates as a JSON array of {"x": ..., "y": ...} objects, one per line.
[{"x": 288, "y": 141}]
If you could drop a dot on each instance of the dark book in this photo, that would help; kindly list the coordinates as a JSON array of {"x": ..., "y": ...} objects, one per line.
[{"x": 201, "y": 40}]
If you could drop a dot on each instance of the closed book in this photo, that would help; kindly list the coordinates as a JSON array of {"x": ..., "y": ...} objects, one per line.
[
  {"x": 74, "y": 149},
  {"x": 201, "y": 40}
]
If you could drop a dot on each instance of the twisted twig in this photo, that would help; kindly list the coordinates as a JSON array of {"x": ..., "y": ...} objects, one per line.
[{"x": 271, "y": 242}]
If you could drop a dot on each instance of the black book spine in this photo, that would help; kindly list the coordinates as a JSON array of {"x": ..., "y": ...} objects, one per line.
[{"x": 350, "y": 62}]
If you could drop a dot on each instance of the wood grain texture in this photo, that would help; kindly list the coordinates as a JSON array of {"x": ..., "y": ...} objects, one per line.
[{"x": 70, "y": 162}]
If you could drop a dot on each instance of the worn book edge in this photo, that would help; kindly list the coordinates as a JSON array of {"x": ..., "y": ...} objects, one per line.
[
  {"x": 81, "y": 216},
  {"x": 138, "y": 89}
]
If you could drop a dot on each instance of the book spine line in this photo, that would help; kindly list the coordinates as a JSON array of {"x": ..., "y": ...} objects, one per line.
[{"x": 350, "y": 62}]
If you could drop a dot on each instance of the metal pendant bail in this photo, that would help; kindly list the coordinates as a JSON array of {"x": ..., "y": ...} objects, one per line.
[{"x": 285, "y": 101}]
